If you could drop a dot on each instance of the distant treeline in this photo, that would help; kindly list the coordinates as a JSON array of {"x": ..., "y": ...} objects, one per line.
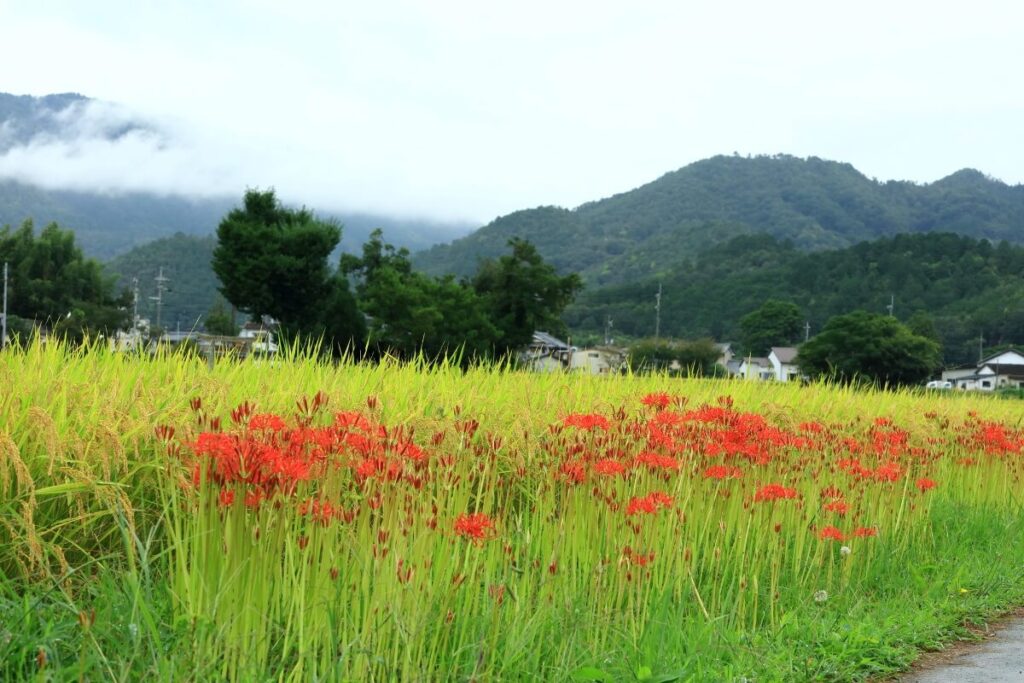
[{"x": 969, "y": 288}]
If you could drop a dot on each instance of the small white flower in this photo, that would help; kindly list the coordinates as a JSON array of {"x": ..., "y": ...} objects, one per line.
[
  {"x": 820, "y": 596},
  {"x": 845, "y": 550},
  {"x": 133, "y": 630}
]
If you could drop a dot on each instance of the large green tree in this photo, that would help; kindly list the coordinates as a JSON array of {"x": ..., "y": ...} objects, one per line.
[
  {"x": 273, "y": 261},
  {"x": 52, "y": 284},
  {"x": 411, "y": 312},
  {"x": 523, "y": 294},
  {"x": 872, "y": 347},
  {"x": 697, "y": 357},
  {"x": 775, "y": 323}
]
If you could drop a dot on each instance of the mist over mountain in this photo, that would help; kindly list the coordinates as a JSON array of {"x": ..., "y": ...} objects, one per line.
[
  {"x": 119, "y": 180},
  {"x": 813, "y": 203}
]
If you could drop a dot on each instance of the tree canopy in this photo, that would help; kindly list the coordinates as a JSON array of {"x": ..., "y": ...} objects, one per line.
[
  {"x": 411, "y": 312},
  {"x": 697, "y": 357},
  {"x": 775, "y": 323},
  {"x": 52, "y": 284},
  {"x": 871, "y": 347},
  {"x": 273, "y": 261},
  {"x": 522, "y": 293}
]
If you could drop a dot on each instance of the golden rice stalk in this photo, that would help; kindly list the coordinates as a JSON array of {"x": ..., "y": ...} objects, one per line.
[
  {"x": 31, "y": 537},
  {"x": 47, "y": 431},
  {"x": 11, "y": 457},
  {"x": 19, "y": 556},
  {"x": 112, "y": 442}
]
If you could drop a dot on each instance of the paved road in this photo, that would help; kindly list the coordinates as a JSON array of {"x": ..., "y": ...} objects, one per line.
[{"x": 996, "y": 660}]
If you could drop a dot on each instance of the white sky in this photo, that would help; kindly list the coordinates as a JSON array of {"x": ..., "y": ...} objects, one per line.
[{"x": 469, "y": 110}]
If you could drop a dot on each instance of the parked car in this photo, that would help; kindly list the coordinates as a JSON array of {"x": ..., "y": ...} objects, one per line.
[{"x": 939, "y": 384}]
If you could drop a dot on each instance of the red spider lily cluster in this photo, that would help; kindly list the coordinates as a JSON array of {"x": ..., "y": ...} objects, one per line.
[{"x": 640, "y": 463}]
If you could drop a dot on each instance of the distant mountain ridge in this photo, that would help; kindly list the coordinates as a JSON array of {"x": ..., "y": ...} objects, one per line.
[
  {"x": 106, "y": 225},
  {"x": 814, "y": 203}
]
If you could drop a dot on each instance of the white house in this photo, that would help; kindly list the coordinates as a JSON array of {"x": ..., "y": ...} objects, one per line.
[
  {"x": 547, "y": 353},
  {"x": 784, "y": 365},
  {"x": 754, "y": 367},
  {"x": 1003, "y": 370},
  {"x": 597, "y": 361},
  {"x": 260, "y": 338}
]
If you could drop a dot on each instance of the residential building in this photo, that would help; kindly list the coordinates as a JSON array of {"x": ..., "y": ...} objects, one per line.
[{"x": 784, "y": 363}]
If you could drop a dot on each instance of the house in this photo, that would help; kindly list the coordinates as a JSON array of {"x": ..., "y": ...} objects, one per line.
[
  {"x": 547, "y": 353},
  {"x": 260, "y": 338},
  {"x": 757, "y": 368},
  {"x": 784, "y": 363},
  {"x": 725, "y": 353},
  {"x": 1003, "y": 370},
  {"x": 602, "y": 360}
]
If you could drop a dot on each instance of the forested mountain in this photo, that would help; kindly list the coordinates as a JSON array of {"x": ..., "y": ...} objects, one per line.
[
  {"x": 816, "y": 204},
  {"x": 191, "y": 288},
  {"x": 109, "y": 224},
  {"x": 967, "y": 287}
]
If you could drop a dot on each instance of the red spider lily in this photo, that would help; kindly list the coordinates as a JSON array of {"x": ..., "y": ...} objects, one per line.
[
  {"x": 831, "y": 533},
  {"x": 923, "y": 484},
  {"x": 838, "y": 506},
  {"x": 610, "y": 467},
  {"x": 586, "y": 421},
  {"x": 831, "y": 493},
  {"x": 266, "y": 421},
  {"x": 476, "y": 526},
  {"x": 639, "y": 559},
  {"x": 888, "y": 472},
  {"x": 656, "y": 461},
  {"x": 574, "y": 472},
  {"x": 771, "y": 492},
  {"x": 353, "y": 420},
  {"x": 723, "y": 472},
  {"x": 865, "y": 532},
  {"x": 658, "y": 400},
  {"x": 648, "y": 504}
]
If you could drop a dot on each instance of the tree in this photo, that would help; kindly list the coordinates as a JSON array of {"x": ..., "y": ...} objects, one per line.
[
  {"x": 872, "y": 347},
  {"x": 273, "y": 261},
  {"x": 524, "y": 294},
  {"x": 697, "y": 357},
  {"x": 219, "y": 321},
  {"x": 776, "y": 323},
  {"x": 53, "y": 284},
  {"x": 411, "y": 312}
]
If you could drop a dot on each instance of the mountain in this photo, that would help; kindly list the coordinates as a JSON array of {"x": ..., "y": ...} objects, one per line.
[
  {"x": 191, "y": 286},
  {"x": 964, "y": 285},
  {"x": 107, "y": 224},
  {"x": 814, "y": 203}
]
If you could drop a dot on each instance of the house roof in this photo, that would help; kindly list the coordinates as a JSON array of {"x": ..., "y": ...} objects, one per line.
[
  {"x": 985, "y": 360},
  {"x": 545, "y": 339},
  {"x": 785, "y": 354},
  {"x": 1004, "y": 368},
  {"x": 756, "y": 360}
]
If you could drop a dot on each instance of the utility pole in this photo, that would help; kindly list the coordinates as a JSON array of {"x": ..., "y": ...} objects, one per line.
[
  {"x": 608, "y": 330},
  {"x": 892, "y": 304},
  {"x": 135, "y": 303},
  {"x": 3, "y": 316},
  {"x": 807, "y": 330},
  {"x": 657, "y": 313},
  {"x": 981, "y": 341},
  {"x": 159, "y": 298}
]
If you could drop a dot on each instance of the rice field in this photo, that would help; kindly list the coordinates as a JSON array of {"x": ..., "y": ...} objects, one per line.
[{"x": 299, "y": 521}]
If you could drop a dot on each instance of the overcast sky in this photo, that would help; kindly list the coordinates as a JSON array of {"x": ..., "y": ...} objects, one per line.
[{"x": 469, "y": 110}]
